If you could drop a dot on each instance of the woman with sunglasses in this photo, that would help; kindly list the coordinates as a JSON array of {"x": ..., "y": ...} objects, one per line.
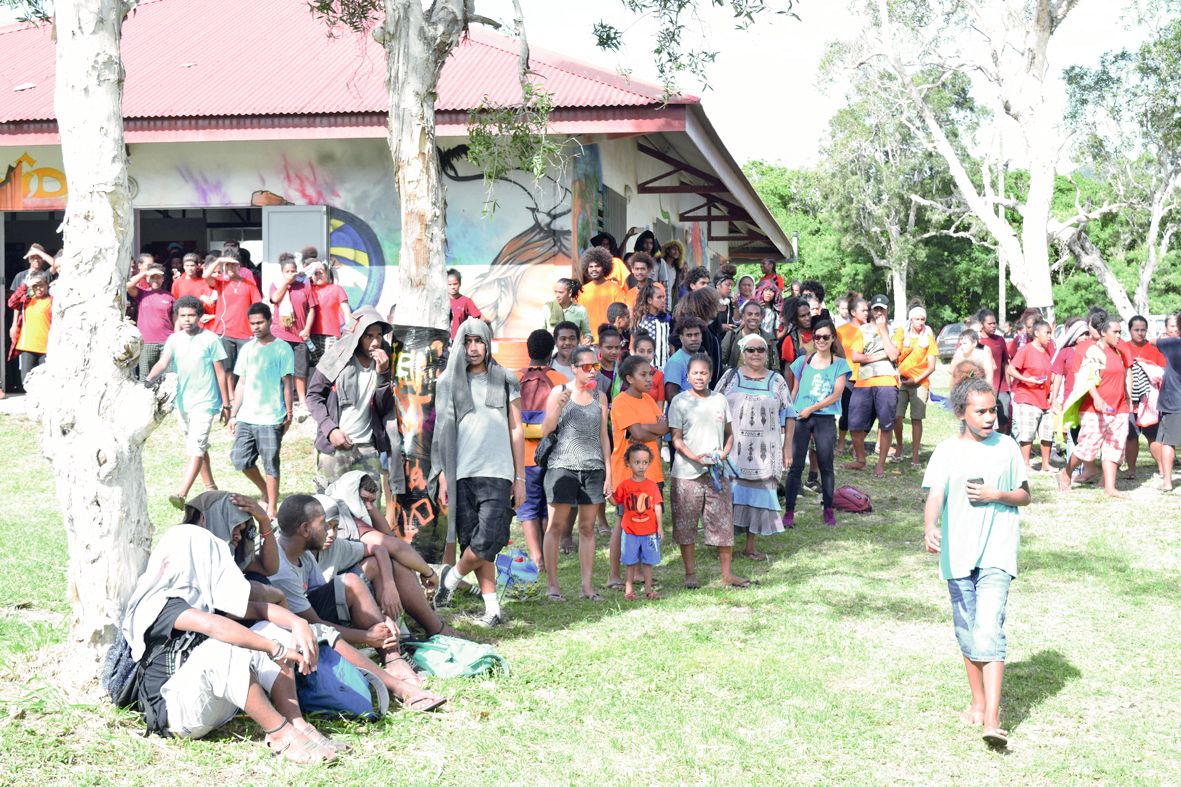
[
  {"x": 760, "y": 406},
  {"x": 578, "y": 471},
  {"x": 819, "y": 379}
]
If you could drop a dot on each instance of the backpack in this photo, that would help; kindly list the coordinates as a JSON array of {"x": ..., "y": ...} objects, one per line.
[
  {"x": 121, "y": 675},
  {"x": 339, "y": 689},
  {"x": 535, "y": 388},
  {"x": 851, "y": 499},
  {"x": 451, "y": 657}
]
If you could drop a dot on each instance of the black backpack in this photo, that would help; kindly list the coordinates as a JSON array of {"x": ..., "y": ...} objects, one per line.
[{"x": 121, "y": 674}]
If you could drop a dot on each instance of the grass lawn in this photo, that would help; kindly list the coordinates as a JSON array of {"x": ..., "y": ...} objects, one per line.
[{"x": 839, "y": 666}]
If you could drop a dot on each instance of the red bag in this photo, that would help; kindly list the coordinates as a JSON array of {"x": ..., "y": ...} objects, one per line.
[{"x": 851, "y": 499}]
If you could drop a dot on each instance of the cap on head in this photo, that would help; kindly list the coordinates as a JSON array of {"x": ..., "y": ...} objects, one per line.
[{"x": 879, "y": 302}]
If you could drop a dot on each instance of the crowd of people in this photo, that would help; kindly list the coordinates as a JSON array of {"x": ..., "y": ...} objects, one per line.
[{"x": 724, "y": 399}]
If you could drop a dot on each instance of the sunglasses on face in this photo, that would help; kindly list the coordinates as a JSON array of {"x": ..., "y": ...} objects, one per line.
[
  {"x": 587, "y": 367},
  {"x": 823, "y": 337},
  {"x": 759, "y": 350}
]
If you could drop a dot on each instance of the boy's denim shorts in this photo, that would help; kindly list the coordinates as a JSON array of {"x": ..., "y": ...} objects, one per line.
[
  {"x": 978, "y": 613},
  {"x": 642, "y": 550}
]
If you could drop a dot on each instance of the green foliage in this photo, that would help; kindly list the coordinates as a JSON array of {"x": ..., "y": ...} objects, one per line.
[
  {"x": 672, "y": 52},
  {"x": 355, "y": 15},
  {"x": 502, "y": 139},
  {"x": 30, "y": 11}
]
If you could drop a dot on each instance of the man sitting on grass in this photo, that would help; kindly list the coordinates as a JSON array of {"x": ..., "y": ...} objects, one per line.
[
  {"x": 975, "y": 482},
  {"x": 346, "y": 602}
]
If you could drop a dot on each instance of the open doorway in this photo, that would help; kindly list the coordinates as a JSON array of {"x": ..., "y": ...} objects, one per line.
[
  {"x": 19, "y": 230},
  {"x": 162, "y": 232}
]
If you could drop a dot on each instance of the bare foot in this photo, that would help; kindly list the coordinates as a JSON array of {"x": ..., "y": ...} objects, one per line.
[
  {"x": 1064, "y": 481},
  {"x": 1129, "y": 475},
  {"x": 691, "y": 582},
  {"x": 735, "y": 581},
  {"x": 854, "y": 466},
  {"x": 879, "y": 471},
  {"x": 972, "y": 716},
  {"x": 1115, "y": 494}
]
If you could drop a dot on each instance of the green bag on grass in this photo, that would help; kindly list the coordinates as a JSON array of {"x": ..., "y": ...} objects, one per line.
[{"x": 451, "y": 657}]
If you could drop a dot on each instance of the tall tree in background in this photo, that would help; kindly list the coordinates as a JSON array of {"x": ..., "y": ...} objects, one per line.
[
  {"x": 94, "y": 418},
  {"x": 1004, "y": 44},
  {"x": 1124, "y": 111},
  {"x": 883, "y": 187}
]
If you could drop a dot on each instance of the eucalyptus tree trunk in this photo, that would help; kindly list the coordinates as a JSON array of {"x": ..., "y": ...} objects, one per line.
[
  {"x": 94, "y": 419},
  {"x": 417, "y": 44}
]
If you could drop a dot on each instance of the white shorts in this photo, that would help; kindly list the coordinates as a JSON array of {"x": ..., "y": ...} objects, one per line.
[
  {"x": 210, "y": 688},
  {"x": 196, "y": 426}
]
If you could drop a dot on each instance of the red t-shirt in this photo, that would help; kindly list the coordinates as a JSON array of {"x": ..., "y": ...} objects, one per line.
[
  {"x": 1148, "y": 353},
  {"x": 182, "y": 286},
  {"x": 329, "y": 297},
  {"x": 1112, "y": 386},
  {"x": 1032, "y": 361},
  {"x": 153, "y": 315},
  {"x": 234, "y": 298},
  {"x": 288, "y": 326},
  {"x": 1063, "y": 364},
  {"x": 773, "y": 278},
  {"x": 462, "y": 307},
  {"x": 1000, "y": 359},
  {"x": 639, "y": 500}
]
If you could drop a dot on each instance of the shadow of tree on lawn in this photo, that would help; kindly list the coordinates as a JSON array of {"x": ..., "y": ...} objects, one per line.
[{"x": 1031, "y": 682}]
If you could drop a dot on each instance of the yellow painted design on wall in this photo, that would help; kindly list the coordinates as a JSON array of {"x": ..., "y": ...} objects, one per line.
[{"x": 29, "y": 187}]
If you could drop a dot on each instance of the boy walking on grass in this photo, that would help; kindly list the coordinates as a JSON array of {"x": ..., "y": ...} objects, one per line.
[
  {"x": 642, "y": 522},
  {"x": 975, "y": 482}
]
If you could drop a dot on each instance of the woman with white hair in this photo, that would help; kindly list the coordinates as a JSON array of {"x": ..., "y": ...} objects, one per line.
[
  {"x": 917, "y": 352},
  {"x": 763, "y": 421}
]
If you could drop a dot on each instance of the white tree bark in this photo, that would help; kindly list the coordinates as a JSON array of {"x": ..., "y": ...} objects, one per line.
[
  {"x": 94, "y": 419},
  {"x": 1157, "y": 239},
  {"x": 898, "y": 285},
  {"x": 1091, "y": 259},
  {"x": 417, "y": 43}
]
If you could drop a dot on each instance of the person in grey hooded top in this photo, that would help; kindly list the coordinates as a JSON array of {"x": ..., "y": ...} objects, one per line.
[
  {"x": 351, "y": 397},
  {"x": 478, "y": 454}
]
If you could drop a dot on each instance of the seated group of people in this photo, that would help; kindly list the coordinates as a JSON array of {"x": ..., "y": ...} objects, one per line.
[{"x": 228, "y": 611}]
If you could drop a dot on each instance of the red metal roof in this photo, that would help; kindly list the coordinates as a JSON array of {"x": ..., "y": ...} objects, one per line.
[{"x": 229, "y": 58}]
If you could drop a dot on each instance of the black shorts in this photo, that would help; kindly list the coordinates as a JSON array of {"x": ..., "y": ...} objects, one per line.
[
  {"x": 1004, "y": 410},
  {"x": 1134, "y": 430},
  {"x": 866, "y": 403},
  {"x": 301, "y": 359},
  {"x": 846, "y": 396},
  {"x": 574, "y": 487},
  {"x": 1168, "y": 431},
  {"x": 328, "y": 601},
  {"x": 232, "y": 348},
  {"x": 483, "y": 511}
]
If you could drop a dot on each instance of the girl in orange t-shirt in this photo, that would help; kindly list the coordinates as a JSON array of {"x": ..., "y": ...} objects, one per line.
[
  {"x": 31, "y": 333},
  {"x": 635, "y": 417}
]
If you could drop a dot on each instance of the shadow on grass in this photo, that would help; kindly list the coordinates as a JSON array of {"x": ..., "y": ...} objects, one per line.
[
  {"x": 1031, "y": 682},
  {"x": 1113, "y": 570},
  {"x": 863, "y": 605}
]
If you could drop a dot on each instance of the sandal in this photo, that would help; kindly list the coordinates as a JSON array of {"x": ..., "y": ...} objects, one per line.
[
  {"x": 555, "y": 596},
  {"x": 758, "y": 557},
  {"x": 652, "y": 595},
  {"x": 315, "y": 736},
  {"x": 737, "y": 582},
  {"x": 996, "y": 737},
  {"x": 177, "y": 501},
  {"x": 616, "y": 584},
  {"x": 630, "y": 596},
  {"x": 424, "y": 702},
  {"x": 591, "y": 596},
  {"x": 298, "y": 748}
]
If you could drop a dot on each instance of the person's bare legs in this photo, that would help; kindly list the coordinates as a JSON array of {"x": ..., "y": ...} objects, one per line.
[
  {"x": 534, "y": 531},
  {"x": 629, "y": 590},
  {"x": 689, "y": 558},
  {"x": 993, "y": 676},
  {"x": 301, "y": 392},
  {"x": 916, "y": 439},
  {"x": 975, "y": 712},
  {"x": 283, "y": 695},
  {"x": 884, "y": 436},
  {"x": 649, "y": 587},
  {"x": 415, "y": 603},
  {"x": 272, "y": 483},
  {"x": 1026, "y": 450},
  {"x": 449, "y": 553},
  {"x": 1046, "y": 446},
  {"x": 1164, "y": 463},
  {"x": 858, "y": 462},
  {"x": 255, "y": 477},
  {"x": 365, "y": 612},
  {"x": 402, "y": 689},
  {"x": 1110, "y": 471},
  {"x": 278, "y": 733},
  {"x": 613, "y": 552},
  {"x": 207, "y": 473},
  {"x": 587, "y": 520},
  {"x": 1066, "y": 475},
  {"x": 558, "y": 516},
  {"x": 193, "y": 467},
  {"x": 898, "y": 439},
  {"x": 725, "y": 558}
]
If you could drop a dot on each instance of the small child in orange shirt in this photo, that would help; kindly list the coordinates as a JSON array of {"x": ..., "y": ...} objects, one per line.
[{"x": 643, "y": 521}]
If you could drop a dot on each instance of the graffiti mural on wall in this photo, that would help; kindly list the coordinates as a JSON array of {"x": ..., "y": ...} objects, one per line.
[
  {"x": 29, "y": 187},
  {"x": 586, "y": 195},
  {"x": 520, "y": 277}
]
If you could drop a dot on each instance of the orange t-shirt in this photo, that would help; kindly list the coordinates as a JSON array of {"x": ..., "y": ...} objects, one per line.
[
  {"x": 558, "y": 379},
  {"x": 626, "y": 411},
  {"x": 596, "y": 297},
  {"x": 913, "y": 352},
  {"x": 639, "y": 500},
  {"x": 619, "y": 273},
  {"x": 34, "y": 336},
  {"x": 846, "y": 333},
  {"x": 857, "y": 344}
]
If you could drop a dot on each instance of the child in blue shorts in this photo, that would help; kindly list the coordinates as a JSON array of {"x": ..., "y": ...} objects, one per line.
[{"x": 643, "y": 521}]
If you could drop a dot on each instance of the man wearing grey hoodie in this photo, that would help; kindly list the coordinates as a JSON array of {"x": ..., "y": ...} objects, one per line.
[
  {"x": 351, "y": 397},
  {"x": 478, "y": 455}
]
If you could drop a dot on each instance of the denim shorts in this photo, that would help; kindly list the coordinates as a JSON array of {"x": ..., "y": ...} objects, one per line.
[
  {"x": 642, "y": 550},
  {"x": 534, "y": 507},
  {"x": 978, "y": 613}
]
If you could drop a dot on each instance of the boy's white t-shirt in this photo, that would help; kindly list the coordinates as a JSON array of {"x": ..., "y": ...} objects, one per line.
[{"x": 988, "y": 535}]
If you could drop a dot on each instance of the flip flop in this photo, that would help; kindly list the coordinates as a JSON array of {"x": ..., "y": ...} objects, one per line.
[
  {"x": 301, "y": 750},
  {"x": 320, "y": 738},
  {"x": 177, "y": 502},
  {"x": 629, "y": 596},
  {"x": 555, "y": 596},
  {"x": 424, "y": 703},
  {"x": 652, "y": 595},
  {"x": 758, "y": 557},
  {"x": 740, "y": 585},
  {"x": 996, "y": 737},
  {"x": 591, "y": 597},
  {"x": 616, "y": 584}
]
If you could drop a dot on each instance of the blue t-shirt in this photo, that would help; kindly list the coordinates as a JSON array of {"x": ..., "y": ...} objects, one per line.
[
  {"x": 192, "y": 360},
  {"x": 676, "y": 370},
  {"x": 818, "y": 384},
  {"x": 261, "y": 368}
]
